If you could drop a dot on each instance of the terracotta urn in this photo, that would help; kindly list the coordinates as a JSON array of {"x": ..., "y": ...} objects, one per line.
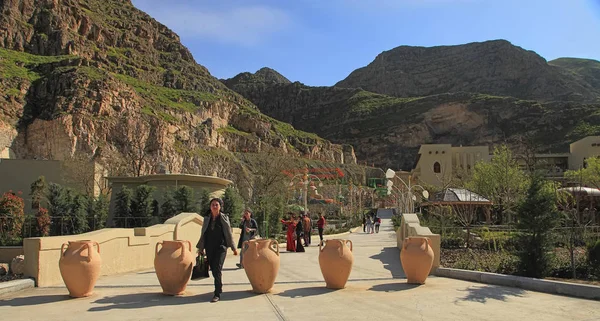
[
  {"x": 417, "y": 258},
  {"x": 261, "y": 263},
  {"x": 335, "y": 260},
  {"x": 173, "y": 264},
  {"x": 79, "y": 266}
]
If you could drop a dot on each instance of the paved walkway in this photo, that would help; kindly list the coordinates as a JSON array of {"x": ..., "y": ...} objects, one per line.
[{"x": 376, "y": 290}]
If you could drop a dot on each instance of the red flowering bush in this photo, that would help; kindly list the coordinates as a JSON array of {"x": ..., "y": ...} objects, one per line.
[
  {"x": 12, "y": 215},
  {"x": 42, "y": 222}
]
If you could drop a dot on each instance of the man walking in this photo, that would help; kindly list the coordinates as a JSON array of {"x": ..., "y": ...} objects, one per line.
[
  {"x": 307, "y": 225},
  {"x": 248, "y": 231},
  {"x": 321, "y": 225}
]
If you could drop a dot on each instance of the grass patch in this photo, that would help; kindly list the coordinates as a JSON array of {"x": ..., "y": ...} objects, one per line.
[
  {"x": 232, "y": 130},
  {"x": 364, "y": 102},
  {"x": 185, "y": 100},
  {"x": 13, "y": 92},
  {"x": 584, "y": 129},
  {"x": 16, "y": 64}
]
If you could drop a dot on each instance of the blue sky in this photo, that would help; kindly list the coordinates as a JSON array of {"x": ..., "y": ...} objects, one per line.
[{"x": 319, "y": 42}]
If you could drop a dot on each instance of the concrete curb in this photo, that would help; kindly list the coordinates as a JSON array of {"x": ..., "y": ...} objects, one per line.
[
  {"x": 583, "y": 291},
  {"x": 16, "y": 285}
]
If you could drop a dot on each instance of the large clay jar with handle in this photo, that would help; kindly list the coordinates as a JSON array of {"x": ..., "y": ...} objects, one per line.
[
  {"x": 173, "y": 264},
  {"x": 335, "y": 260},
  {"x": 261, "y": 263},
  {"x": 417, "y": 258},
  {"x": 79, "y": 266}
]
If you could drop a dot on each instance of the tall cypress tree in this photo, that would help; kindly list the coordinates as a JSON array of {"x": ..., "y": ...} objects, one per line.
[
  {"x": 233, "y": 205},
  {"x": 123, "y": 207},
  {"x": 537, "y": 216}
]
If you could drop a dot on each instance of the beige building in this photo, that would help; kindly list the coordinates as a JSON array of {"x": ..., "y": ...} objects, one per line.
[
  {"x": 163, "y": 182},
  {"x": 582, "y": 149},
  {"x": 18, "y": 174},
  {"x": 437, "y": 163}
]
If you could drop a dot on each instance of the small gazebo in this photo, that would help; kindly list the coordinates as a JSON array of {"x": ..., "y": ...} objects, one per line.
[
  {"x": 462, "y": 200},
  {"x": 587, "y": 199}
]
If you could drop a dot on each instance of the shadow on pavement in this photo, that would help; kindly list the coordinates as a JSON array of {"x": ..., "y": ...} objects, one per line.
[
  {"x": 486, "y": 292},
  {"x": 390, "y": 258},
  {"x": 35, "y": 300},
  {"x": 305, "y": 292},
  {"x": 144, "y": 300},
  {"x": 393, "y": 287}
]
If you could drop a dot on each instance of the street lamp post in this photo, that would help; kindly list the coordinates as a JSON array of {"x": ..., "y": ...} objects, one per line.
[
  {"x": 408, "y": 198},
  {"x": 305, "y": 181}
]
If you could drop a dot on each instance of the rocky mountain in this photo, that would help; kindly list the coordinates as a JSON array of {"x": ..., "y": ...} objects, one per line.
[
  {"x": 264, "y": 76},
  {"x": 586, "y": 70},
  {"x": 102, "y": 78},
  {"x": 492, "y": 67},
  {"x": 388, "y": 131}
]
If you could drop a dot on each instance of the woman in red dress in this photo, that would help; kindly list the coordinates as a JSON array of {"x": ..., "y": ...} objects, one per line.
[{"x": 291, "y": 232}]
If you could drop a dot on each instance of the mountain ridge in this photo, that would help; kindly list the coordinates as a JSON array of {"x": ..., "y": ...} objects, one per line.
[
  {"x": 388, "y": 129},
  {"x": 493, "y": 67}
]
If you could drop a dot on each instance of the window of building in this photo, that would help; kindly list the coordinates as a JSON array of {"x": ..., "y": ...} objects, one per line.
[{"x": 437, "y": 167}]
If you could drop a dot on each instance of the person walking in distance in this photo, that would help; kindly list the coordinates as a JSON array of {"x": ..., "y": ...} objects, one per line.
[
  {"x": 291, "y": 232},
  {"x": 369, "y": 224},
  {"x": 377, "y": 223},
  {"x": 248, "y": 231},
  {"x": 321, "y": 225},
  {"x": 364, "y": 223},
  {"x": 307, "y": 225},
  {"x": 216, "y": 237}
]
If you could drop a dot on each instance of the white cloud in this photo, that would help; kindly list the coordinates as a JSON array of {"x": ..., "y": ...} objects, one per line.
[{"x": 241, "y": 25}]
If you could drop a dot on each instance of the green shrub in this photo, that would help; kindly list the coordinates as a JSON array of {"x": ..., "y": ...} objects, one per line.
[
  {"x": 452, "y": 242},
  {"x": 485, "y": 261},
  {"x": 594, "y": 257},
  {"x": 560, "y": 265}
]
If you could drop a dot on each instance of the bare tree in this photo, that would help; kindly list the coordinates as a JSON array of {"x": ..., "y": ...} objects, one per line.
[
  {"x": 466, "y": 212},
  {"x": 78, "y": 172},
  {"x": 135, "y": 145},
  {"x": 525, "y": 151}
]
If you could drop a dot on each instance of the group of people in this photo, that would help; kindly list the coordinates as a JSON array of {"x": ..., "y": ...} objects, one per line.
[
  {"x": 300, "y": 229},
  {"x": 217, "y": 237},
  {"x": 371, "y": 223}
]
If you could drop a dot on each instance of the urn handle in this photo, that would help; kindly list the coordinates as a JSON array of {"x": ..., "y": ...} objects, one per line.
[
  {"x": 156, "y": 248},
  {"x": 62, "y": 249},
  {"x": 274, "y": 246},
  {"x": 427, "y": 242},
  {"x": 405, "y": 243},
  {"x": 98, "y": 246},
  {"x": 342, "y": 243},
  {"x": 89, "y": 249},
  {"x": 189, "y": 245},
  {"x": 348, "y": 241},
  {"x": 245, "y": 247}
]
